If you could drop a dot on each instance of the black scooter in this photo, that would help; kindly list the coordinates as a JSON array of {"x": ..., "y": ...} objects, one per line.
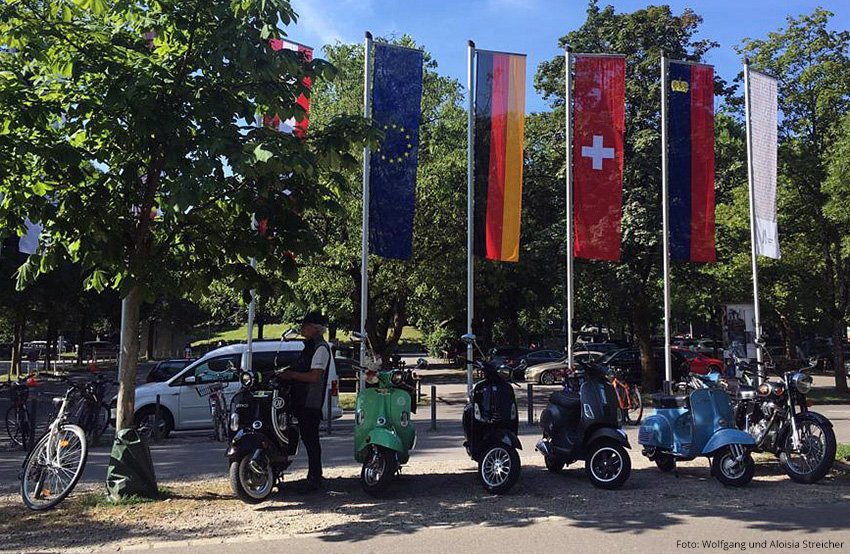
[
  {"x": 584, "y": 425},
  {"x": 490, "y": 424}
]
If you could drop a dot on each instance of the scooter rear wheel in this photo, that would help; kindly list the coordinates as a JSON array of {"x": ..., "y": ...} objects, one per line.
[
  {"x": 665, "y": 462},
  {"x": 378, "y": 470},
  {"x": 499, "y": 468},
  {"x": 608, "y": 464},
  {"x": 555, "y": 465}
]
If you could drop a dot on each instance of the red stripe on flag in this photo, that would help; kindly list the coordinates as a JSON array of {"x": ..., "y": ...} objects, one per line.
[
  {"x": 599, "y": 116},
  {"x": 498, "y": 141},
  {"x": 702, "y": 164}
]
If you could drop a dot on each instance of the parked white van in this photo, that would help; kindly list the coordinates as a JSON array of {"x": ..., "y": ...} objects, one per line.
[{"x": 182, "y": 408}]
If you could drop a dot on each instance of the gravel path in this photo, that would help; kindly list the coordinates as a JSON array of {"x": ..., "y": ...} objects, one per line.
[{"x": 430, "y": 493}]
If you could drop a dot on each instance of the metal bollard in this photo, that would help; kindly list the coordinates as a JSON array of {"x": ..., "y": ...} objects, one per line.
[
  {"x": 330, "y": 413},
  {"x": 156, "y": 416},
  {"x": 418, "y": 390},
  {"x": 531, "y": 403},
  {"x": 433, "y": 407},
  {"x": 33, "y": 424}
]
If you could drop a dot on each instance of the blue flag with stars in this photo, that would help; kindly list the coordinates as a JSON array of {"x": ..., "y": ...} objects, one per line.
[{"x": 396, "y": 109}]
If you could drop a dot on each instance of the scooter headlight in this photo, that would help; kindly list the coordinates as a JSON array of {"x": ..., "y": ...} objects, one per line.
[
  {"x": 246, "y": 379},
  {"x": 801, "y": 382},
  {"x": 234, "y": 422},
  {"x": 397, "y": 378},
  {"x": 476, "y": 411}
]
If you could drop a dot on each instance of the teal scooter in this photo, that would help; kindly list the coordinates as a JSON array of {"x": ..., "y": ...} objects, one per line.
[
  {"x": 699, "y": 424},
  {"x": 384, "y": 432}
]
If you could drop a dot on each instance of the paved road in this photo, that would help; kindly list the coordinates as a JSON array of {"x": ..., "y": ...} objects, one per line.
[{"x": 776, "y": 530}]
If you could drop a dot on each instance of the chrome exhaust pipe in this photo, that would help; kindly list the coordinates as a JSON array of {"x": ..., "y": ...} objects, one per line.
[{"x": 543, "y": 447}]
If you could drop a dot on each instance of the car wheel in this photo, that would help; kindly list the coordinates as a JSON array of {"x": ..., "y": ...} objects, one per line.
[
  {"x": 148, "y": 425},
  {"x": 547, "y": 378}
]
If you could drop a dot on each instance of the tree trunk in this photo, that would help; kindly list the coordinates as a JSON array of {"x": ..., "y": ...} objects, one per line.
[
  {"x": 643, "y": 332},
  {"x": 151, "y": 342},
  {"x": 129, "y": 358},
  {"x": 18, "y": 340},
  {"x": 838, "y": 340}
]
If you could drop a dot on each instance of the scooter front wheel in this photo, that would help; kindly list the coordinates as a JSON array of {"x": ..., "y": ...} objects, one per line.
[
  {"x": 378, "y": 470},
  {"x": 499, "y": 468},
  {"x": 252, "y": 480},
  {"x": 608, "y": 464},
  {"x": 731, "y": 471}
]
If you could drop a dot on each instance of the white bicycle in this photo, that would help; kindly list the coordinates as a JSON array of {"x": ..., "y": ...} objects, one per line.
[{"x": 54, "y": 466}]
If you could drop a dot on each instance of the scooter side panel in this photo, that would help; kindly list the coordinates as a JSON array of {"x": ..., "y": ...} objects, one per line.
[
  {"x": 387, "y": 438},
  {"x": 725, "y": 437},
  {"x": 657, "y": 429},
  {"x": 397, "y": 404},
  {"x": 369, "y": 407}
]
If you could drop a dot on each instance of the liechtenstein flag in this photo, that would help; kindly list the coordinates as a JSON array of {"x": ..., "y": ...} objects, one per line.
[{"x": 691, "y": 161}]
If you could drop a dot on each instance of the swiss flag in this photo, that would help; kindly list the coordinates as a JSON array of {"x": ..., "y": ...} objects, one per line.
[
  {"x": 290, "y": 126},
  {"x": 599, "y": 127}
]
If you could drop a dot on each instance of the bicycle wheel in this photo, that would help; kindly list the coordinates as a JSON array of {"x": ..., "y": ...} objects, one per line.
[
  {"x": 18, "y": 425},
  {"x": 53, "y": 468},
  {"x": 96, "y": 421},
  {"x": 635, "y": 412}
]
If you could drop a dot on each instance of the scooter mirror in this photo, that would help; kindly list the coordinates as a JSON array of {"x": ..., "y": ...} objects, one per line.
[
  {"x": 356, "y": 337},
  {"x": 289, "y": 334},
  {"x": 468, "y": 338},
  {"x": 421, "y": 363}
]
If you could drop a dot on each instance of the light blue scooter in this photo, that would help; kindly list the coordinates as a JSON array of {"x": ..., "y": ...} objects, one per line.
[{"x": 701, "y": 424}]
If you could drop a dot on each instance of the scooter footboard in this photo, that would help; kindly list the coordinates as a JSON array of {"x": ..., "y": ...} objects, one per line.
[
  {"x": 725, "y": 437},
  {"x": 656, "y": 431}
]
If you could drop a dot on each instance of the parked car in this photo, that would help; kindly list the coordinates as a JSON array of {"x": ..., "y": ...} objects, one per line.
[
  {"x": 506, "y": 354},
  {"x": 5, "y": 350},
  {"x": 708, "y": 346},
  {"x": 700, "y": 363},
  {"x": 554, "y": 372},
  {"x": 102, "y": 347},
  {"x": 519, "y": 364},
  {"x": 603, "y": 347},
  {"x": 182, "y": 408},
  {"x": 346, "y": 370},
  {"x": 166, "y": 369},
  {"x": 628, "y": 360}
]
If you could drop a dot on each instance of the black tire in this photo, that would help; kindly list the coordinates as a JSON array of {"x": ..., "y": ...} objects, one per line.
[
  {"x": 555, "y": 465},
  {"x": 665, "y": 462},
  {"x": 95, "y": 421},
  {"x": 378, "y": 470},
  {"x": 608, "y": 464},
  {"x": 499, "y": 468},
  {"x": 34, "y": 470},
  {"x": 822, "y": 445},
  {"x": 724, "y": 470},
  {"x": 18, "y": 426},
  {"x": 250, "y": 486},
  {"x": 547, "y": 378},
  {"x": 145, "y": 418},
  {"x": 634, "y": 413}
]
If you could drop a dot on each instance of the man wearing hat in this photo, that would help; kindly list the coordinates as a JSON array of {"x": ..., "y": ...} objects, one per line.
[{"x": 310, "y": 373}]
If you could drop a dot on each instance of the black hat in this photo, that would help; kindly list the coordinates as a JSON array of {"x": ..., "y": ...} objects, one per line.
[{"x": 316, "y": 318}]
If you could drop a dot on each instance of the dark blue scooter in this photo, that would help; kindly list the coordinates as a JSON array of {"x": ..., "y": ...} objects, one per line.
[{"x": 701, "y": 424}]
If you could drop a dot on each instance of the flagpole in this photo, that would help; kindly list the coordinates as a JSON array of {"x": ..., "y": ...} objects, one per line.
[
  {"x": 568, "y": 60},
  {"x": 364, "y": 245},
  {"x": 470, "y": 53},
  {"x": 665, "y": 211},
  {"x": 759, "y": 355}
]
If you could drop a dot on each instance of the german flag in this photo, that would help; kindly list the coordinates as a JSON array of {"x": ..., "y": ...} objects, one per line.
[{"x": 498, "y": 150}]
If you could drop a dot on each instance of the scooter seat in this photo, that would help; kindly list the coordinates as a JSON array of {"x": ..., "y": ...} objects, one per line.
[
  {"x": 566, "y": 399},
  {"x": 666, "y": 401}
]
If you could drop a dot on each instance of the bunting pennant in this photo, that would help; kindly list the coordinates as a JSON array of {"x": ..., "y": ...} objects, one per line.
[
  {"x": 498, "y": 151},
  {"x": 763, "y": 121}
]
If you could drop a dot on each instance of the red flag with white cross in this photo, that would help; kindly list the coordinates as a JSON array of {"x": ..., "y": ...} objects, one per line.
[{"x": 598, "y": 131}]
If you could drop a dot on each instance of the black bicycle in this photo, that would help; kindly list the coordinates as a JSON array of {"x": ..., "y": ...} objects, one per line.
[
  {"x": 19, "y": 425},
  {"x": 89, "y": 408}
]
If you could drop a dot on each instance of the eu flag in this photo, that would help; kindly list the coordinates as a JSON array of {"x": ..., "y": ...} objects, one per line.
[{"x": 396, "y": 100}]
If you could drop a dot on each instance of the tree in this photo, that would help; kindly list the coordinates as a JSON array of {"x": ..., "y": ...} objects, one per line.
[
  {"x": 640, "y": 36},
  {"x": 130, "y": 131},
  {"x": 812, "y": 65}
]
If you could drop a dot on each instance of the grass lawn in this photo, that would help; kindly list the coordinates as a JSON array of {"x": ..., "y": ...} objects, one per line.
[
  {"x": 274, "y": 331},
  {"x": 347, "y": 400},
  {"x": 842, "y": 453},
  {"x": 828, "y": 395}
]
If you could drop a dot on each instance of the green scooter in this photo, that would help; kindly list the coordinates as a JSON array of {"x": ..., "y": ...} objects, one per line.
[{"x": 383, "y": 429}]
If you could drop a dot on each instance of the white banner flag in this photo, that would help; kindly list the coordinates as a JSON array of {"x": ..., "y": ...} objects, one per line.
[{"x": 763, "y": 121}]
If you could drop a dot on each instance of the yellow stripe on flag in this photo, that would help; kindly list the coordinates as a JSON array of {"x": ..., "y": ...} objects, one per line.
[{"x": 513, "y": 160}]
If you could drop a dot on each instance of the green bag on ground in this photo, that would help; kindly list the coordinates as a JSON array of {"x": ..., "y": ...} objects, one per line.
[{"x": 130, "y": 470}]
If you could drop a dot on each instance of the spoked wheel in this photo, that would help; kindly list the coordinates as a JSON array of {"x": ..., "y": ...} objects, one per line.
[
  {"x": 95, "y": 420},
  {"x": 252, "y": 480},
  {"x": 813, "y": 459},
  {"x": 53, "y": 467},
  {"x": 733, "y": 469},
  {"x": 378, "y": 470},
  {"x": 635, "y": 406},
  {"x": 547, "y": 378},
  {"x": 608, "y": 465},
  {"x": 499, "y": 468},
  {"x": 18, "y": 426}
]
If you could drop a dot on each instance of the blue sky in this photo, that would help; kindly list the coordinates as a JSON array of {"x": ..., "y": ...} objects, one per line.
[{"x": 530, "y": 26}]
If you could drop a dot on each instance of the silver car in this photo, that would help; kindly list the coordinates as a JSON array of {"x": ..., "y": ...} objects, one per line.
[{"x": 550, "y": 373}]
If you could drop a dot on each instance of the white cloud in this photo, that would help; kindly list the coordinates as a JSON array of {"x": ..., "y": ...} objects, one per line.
[{"x": 315, "y": 17}]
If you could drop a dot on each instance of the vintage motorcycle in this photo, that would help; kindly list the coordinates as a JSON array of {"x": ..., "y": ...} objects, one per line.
[{"x": 265, "y": 435}]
